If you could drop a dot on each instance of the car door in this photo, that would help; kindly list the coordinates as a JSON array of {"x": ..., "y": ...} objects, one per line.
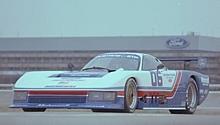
[{"x": 161, "y": 79}]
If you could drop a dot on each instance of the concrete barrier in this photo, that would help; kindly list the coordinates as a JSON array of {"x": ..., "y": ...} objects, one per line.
[{"x": 6, "y": 86}]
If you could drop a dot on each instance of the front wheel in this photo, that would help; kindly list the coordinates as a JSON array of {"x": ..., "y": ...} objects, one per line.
[
  {"x": 130, "y": 97},
  {"x": 34, "y": 109},
  {"x": 191, "y": 99},
  {"x": 106, "y": 110}
]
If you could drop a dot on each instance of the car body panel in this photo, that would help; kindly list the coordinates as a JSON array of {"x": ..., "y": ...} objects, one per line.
[{"x": 161, "y": 88}]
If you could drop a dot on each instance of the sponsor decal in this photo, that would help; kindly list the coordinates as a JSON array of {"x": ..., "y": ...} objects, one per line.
[
  {"x": 205, "y": 80},
  {"x": 202, "y": 62},
  {"x": 77, "y": 75},
  {"x": 170, "y": 80},
  {"x": 53, "y": 105},
  {"x": 60, "y": 86},
  {"x": 177, "y": 43},
  {"x": 169, "y": 94},
  {"x": 129, "y": 56}
]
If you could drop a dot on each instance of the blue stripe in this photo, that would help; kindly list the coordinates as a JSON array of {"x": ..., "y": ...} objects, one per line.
[{"x": 56, "y": 99}]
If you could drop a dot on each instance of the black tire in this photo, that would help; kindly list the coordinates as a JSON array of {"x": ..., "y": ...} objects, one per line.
[
  {"x": 106, "y": 110},
  {"x": 34, "y": 109},
  {"x": 130, "y": 97},
  {"x": 191, "y": 99},
  {"x": 98, "y": 110}
]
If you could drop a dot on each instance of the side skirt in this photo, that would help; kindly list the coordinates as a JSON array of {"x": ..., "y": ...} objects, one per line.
[{"x": 164, "y": 108}]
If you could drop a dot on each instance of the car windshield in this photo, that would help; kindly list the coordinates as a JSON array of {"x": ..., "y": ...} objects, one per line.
[{"x": 114, "y": 62}]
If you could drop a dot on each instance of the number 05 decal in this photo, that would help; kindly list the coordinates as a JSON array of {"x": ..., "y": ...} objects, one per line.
[{"x": 156, "y": 80}]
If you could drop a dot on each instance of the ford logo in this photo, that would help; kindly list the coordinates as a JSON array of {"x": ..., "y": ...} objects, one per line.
[{"x": 177, "y": 43}]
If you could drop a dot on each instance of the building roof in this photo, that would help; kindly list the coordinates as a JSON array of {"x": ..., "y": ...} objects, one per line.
[{"x": 129, "y": 43}]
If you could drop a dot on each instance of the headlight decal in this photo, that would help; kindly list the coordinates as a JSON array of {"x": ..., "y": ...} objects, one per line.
[
  {"x": 20, "y": 95},
  {"x": 109, "y": 96},
  {"x": 101, "y": 96}
]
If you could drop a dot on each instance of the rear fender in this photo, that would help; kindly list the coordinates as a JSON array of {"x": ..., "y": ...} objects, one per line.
[{"x": 202, "y": 84}]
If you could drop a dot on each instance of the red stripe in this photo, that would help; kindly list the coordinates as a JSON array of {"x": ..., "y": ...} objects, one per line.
[
  {"x": 158, "y": 93},
  {"x": 120, "y": 93},
  {"x": 162, "y": 93}
]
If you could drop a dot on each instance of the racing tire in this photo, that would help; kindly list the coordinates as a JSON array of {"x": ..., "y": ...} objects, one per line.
[
  {"x": 34, "y": 109},
  {"x": 130, "y": 96},
  {"x": 191, "y": 99},
  {"x": 106, "y": 110},
  {"x": 98, "y": 110}
]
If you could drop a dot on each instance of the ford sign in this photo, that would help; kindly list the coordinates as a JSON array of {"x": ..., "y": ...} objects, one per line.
[{"x": 177, "y": 43}]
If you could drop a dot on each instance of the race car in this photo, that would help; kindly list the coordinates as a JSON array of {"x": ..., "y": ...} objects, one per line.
[{"x": 118, "y": 81}]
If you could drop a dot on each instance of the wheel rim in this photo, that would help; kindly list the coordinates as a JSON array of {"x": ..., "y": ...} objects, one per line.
[
  {"x": 131, "y": 94},
  {"x": 191, "y": 97}
]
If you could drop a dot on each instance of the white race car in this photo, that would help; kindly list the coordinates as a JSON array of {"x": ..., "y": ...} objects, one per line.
[{"x": 119, "y": 81}]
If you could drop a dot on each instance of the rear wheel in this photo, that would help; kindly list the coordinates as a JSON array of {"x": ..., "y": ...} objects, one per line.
[
  {"x": 130, "y": 99},
  {"x": 191, "y": 99},
  {"x": 34, "y": 109}
]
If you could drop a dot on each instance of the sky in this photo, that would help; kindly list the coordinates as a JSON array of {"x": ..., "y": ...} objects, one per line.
[{"x": 79, "y": 18}]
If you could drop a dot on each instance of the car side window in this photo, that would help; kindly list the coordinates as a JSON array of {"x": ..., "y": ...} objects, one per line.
[{"x": 150, "y": 63}]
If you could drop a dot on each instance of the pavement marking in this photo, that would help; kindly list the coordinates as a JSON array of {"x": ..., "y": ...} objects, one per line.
[
  {"x": 75, "y": 114},
  {"x": 51, "y": 114},
  {"x": 214, "y": 92},
  {"x": 98, "y": 115},
  {"x": 209, "y": 108}
]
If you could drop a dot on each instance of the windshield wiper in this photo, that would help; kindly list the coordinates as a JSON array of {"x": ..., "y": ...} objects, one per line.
[{"x": 97, "y": 67}]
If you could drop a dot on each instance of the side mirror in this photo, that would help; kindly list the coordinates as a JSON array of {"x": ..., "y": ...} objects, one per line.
[
  {"x": 160, "y": 66},
  {"x": 70, "y": 66}
]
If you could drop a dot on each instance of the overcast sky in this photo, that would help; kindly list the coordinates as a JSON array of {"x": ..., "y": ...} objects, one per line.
[{"x": 54, "y": 18}]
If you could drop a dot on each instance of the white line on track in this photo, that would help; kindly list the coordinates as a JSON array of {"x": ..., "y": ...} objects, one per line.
[
  {"x": 209, "y": 108},
  {"x": 71, "y": 115},
  {"x": 52, "y": 114},
  {"x": 214, "y": 92}
]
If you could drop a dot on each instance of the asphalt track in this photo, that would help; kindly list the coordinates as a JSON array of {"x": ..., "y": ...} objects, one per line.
[{"x": 207, "y": 114}]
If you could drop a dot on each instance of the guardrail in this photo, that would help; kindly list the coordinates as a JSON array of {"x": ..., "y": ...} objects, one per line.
[{"x": 6, "y": 86}]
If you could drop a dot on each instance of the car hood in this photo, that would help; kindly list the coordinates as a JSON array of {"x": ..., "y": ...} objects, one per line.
[{"x": 71, "y": 80}]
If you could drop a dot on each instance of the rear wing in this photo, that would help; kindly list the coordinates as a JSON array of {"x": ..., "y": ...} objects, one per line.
[
  {"x": 186, "y": 59},
  {"x": 201, "y": 61}
]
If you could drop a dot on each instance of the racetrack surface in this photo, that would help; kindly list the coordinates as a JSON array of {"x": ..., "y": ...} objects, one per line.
[{"x": 207, "y": 114}]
